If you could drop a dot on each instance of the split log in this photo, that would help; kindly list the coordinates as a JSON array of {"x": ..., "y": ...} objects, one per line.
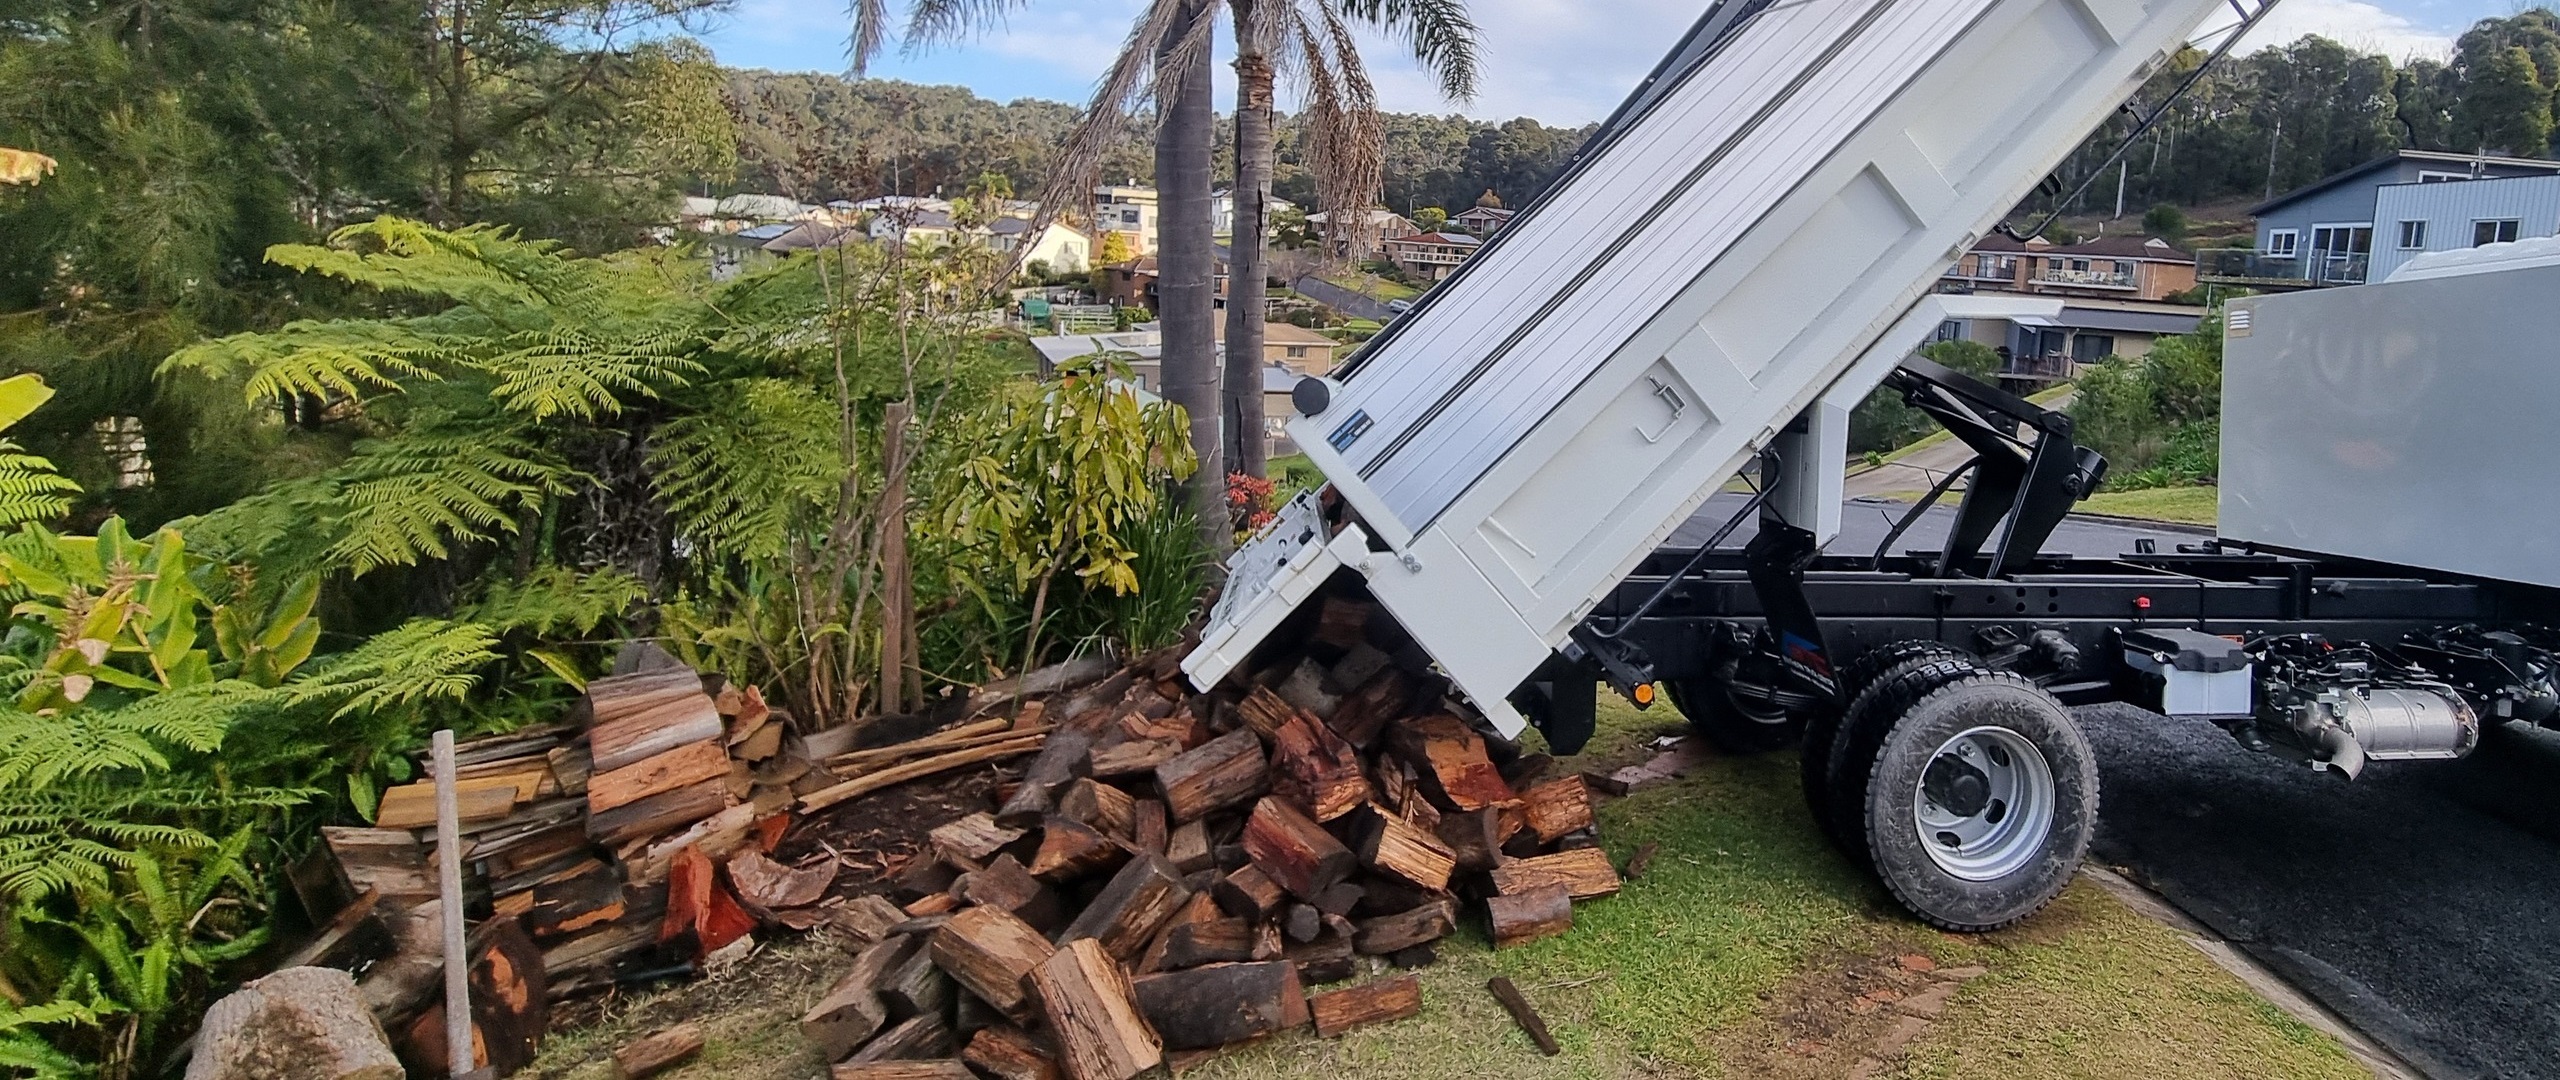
[
  {"x": 1208, "y": 942},
  {"x": 1364, "y": 713},
  {"x": 390, "y": 862},
  {"x": 988, "y": 952},
  {"x": 767, "y": 886},
  {"x": 1449, "y": 758},
  {"x": 1584, "y": 872},
  {"x": 1062, "y": 759},
  {"x": 1147, "y": 827},
  {"x": 1523, "y": 917},
  {"x": 689, "y": 764},
  {"x": 915, "y": 1038},
  {"x": 1069, "y": 850},
  {"x": 657, "y": 1052},
  {"x": 1264, "y": 712},
  {"x": 1386, "y": 999},
  {"x": 1392, "y": 845},
  {"x": 918, "y": 987},
  {"x": 589, "y": 898},
  {"x": 1301, "y": 922},
  {"x": 865, "y": 919},
  {"x": 1007, "y": 886},
  {"x": 645, "y": 733},
  {"x": 1093, "y": 1012},
  {"x": 1517, "y": 1005},
  {"x": 1055, "y": 678},
  {"x": 923, "y": 878},
  {"x": 851, "y": 1012},
  {"x": 1396, "y": 933},
  {"x": 1302, "y": 857},
  {"x": 1201, "y": 908},
  {"x": 413, "y": 806},
  {"x": 1125, "y": 915},
  {"x": 1304, "y": 689},
  {"x": 1223, "y": 1003},
  {"x": 700, "y": 909},
  {"x": 1472, "y": 837},
  {"x": 940, "y": 903},
  {"x": 899, "y": 1070},
  {"x": 308, "y": 1017},
  {"x": 658, "y": 814},
  {"x": 1315, "y": 770},
  {"x": 899, "y": 774},
  {"x": 1557, "y": 807},
  {"x": 1132, "y": 757},
  {"x": 1268, "y": 944},
  {"x": 1343, "y": 622},
  {"x": 1249, "y": 894},
  {"x": 1226, "y": 771},
  {"x": 1107, "y": 809},
  {"x": 1187, "y": 846},
  {"x": 973, "y": 839},
  {"x": 1324, "y": 960},
  {"x": 954, "y": 738},
  {"x": 1007, "y": 1053},
  {"x": 718, "y": 836}
]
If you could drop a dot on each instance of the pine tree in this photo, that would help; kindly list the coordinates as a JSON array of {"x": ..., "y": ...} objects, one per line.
[{"x": 2506, "y": 106}]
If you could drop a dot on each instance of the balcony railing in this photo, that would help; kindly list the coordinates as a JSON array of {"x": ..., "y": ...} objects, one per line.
[
  {"x": 2257, "y": 267},
  {"x": 2094, "y": 279}
]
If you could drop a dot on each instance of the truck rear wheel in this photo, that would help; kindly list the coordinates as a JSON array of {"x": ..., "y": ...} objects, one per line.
[
  {"x": 1734, "y": 725},
  {"x": 1857, "y": 677},
  {"x": 1841, "y": 807},
  {"x": 1980, "y": 802}
]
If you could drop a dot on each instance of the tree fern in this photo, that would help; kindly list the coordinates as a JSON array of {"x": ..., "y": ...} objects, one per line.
[
  {"x": 422, "y": 660},
  {"x": 29, "y": 488},
  {"x": 38, "y": 750},
  {"x": 577, "y": 372},
  {"x": 412, "y": 498},
  {"x": 732, "y": 474},
  {"x": 556, "y": 599}
]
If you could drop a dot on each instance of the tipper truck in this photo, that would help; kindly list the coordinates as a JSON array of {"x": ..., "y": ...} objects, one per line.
[{"x": 1745, "y": 250}]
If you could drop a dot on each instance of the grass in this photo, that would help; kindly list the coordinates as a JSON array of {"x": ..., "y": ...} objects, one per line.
[
  {"x": 2046, "y": 396},
  {"x": 2193, "y": 505},
  {"x": 1372, "y": 286},
  {"x": 1739, "y": 953}
]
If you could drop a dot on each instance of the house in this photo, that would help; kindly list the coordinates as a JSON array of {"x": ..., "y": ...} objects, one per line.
[
  {"x": 1430, "y": 256},
  {"x": 1382, "y": 224},
  {"x": 1131, "y": 284},
  {"x": 2413, "y": 219},
  {"x": 1128, "y": 209},
  {"x": 734, "y": 212},
  {"x": 1064, "y": 248},
  {"x": 2323, "y": 234},
  {"x": 1222, "y": 211},
  {"x": 1142, "y": 349},
  {"x": 733, "y": 253},
  {"x": 2109, "y": 267},
  {"x": 917, "y": 227},
  {"x": 2040, "y": 349},
  {"x": 1483, "y": 220}
]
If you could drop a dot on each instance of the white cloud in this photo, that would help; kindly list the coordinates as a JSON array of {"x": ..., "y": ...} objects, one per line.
[{"x": 2358, "y": 25}]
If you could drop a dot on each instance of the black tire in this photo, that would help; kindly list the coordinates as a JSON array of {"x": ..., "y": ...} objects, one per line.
[
  {"x": 1863, "y": 726},
  {"x": 1823, "y": 729},
  {"x": 1715, "y": 715},
  {"x": 2044, "y": 859}
]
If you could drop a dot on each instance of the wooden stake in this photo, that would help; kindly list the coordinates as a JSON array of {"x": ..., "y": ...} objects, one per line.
[
  {"x": 864, "y": 785},
  {"x": 1359, "y": 1006},
  {"x": 897, "y": 585},
  {"x": 457, "y": 961},
  {"x": 1521, "y": 1013}
]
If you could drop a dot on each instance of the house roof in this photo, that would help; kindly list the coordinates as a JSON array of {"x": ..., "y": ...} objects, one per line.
[
  {"x": 2438, "y": 157},
  {"x": 1439, "y": 238},
  {"x": 1277, "y": 379},
  {"x": 2135, "y": 322},
  {"x": 806, "y": 236},
  {"x": 1143, "y": 264},
  {"x": 2123, "y": 247},
  {"x": 761, "y": 207},
  {"x": 1495, "y": 212},
  {"x": 762, "y": 233}
]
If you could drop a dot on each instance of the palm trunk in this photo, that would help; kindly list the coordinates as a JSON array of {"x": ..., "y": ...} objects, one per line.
[
  {"x": 1247, "y": 273},
  {"x": 1188, "y": 305}
]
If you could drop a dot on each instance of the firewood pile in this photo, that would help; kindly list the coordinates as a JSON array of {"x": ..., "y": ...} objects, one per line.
[
  {"x": 1167, "y": 874},
  {"x": 1172, "y": 871}
]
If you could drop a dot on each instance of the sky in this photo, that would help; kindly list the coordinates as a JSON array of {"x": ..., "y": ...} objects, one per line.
[{"x": 1564, "y": 62}]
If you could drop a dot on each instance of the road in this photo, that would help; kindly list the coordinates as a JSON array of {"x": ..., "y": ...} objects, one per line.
[{"x": 2417, "y": 901}]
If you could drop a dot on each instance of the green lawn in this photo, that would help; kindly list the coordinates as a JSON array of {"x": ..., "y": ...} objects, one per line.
[
  {"x": 2191, "y": 505},
  {"x": 1372, "y": 286},
  {"x": 1749, "y": 949}
]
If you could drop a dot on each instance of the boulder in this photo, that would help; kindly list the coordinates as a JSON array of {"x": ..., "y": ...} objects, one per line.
[{"x": 304, "y": 1023}]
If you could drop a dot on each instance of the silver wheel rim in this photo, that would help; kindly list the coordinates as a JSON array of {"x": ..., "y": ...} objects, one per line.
[{"x": 2006, "y": 828}]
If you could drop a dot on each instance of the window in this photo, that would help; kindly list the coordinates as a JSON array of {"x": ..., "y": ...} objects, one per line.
[
  {"x": 126, "y": 448},
  {"x": 2493, "y": 232},
  {"x": 1949, "y": 330},
  {"x": 1297, "y": 352},
  {"x": 2091, "y": 348},
  {"x": 2413, "y": 235},
  {"x": 2282, "y": 243},
  {"x": 2426, "y": 176}
]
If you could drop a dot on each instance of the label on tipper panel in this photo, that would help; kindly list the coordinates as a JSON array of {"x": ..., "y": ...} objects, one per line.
[{"x": 1349, "y": 432}]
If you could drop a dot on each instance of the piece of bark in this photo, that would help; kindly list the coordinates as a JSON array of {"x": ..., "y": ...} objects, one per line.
[
  {"x": 700, "y": 909},
  {"x": 1557, "y": 807},
  {"x": 1450, "y": 760},
  {"x": 1008, "y": 1053},
  {"x": 767, "y": 886},
  {"x": 865, "y": 919},
  {"x": 921, "y": 925},
  {"x": 1107, "y": 809},
  {"x": 1396, "y": 933},
  {"x": 310, "y": 1019},
  {"x": 1470, "y": 836},
  {"x": 988, "y": 951},
  {"x": 657, "y": 1052},
  {"x": 938, "y": 763},
  {"x": 1147, "y": 827},
  {"x": 900, "y": 1070},
  {"x": 1299, "y": 855},
  {"x": 1523, "y": 917},
  {"x": 1517, "y": 1004},
  {"x": 1062, "y": 759},
  {"x": 1264, "y": 712},
  {"x": 718, "y": 837},
  {"x": 1268, "y": 943},
  {"x": 1131, "y": 758},
  {"x": 1188, "y": 848},
  {"x": 646, "y": 733},
  {"x": 1363, "y": 714},
  {"x": 1329, "y": 958},
  {"x": 1316, "y": 770},
  {"x": 916, "y": 987},
  {"x": 1225, "y": 771},
  {"x": 851, "y": 1012},
  {"x": 1007, "y": 886},
  {"x": 1359, "y": 1006},
  {"x": 658, "y": 814},
  {"x": 1127, "y": 912},
  {"x": 1071, "y": 850},
  {"x": 919, "y": 1037},
  {"x": 1605, "y": 783},
  {"x": 1585, "y": 873},
  {"x": 1093, "y": 1013},
  {"x": 1208, "y": 942},
  {"x": 1642, "y": 860},
  {"x": 975, "y": 838},
  {"x": 1219, "y": 1004},
  {"x": 1250, "y": 894},
  {"x": 1391, "y": 845}
]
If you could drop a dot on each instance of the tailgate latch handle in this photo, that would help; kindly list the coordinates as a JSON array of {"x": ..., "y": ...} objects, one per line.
[{"x": 1669, "y": 397}]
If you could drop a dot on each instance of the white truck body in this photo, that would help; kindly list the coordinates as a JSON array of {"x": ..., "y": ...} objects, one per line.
[{"x": 1756, "y": 234}]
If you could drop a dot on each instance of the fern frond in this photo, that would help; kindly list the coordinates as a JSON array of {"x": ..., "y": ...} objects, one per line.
[
  {"x": 351, "y": 357},
  {"x": 556, "y": 599},
  {"x": 413, "y": 497},
  {"x": 80, "y": 834},
  {"x": 732, "y": 474},
  {"x": 421, "y": 660},
  {"x": 30, "y": 489},
  {"x": 38, "y": 751},
  {"x": 576, "y": 372}
]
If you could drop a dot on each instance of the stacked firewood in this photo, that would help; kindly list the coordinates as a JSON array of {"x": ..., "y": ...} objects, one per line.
[{"x": 1172, "y": 871}]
